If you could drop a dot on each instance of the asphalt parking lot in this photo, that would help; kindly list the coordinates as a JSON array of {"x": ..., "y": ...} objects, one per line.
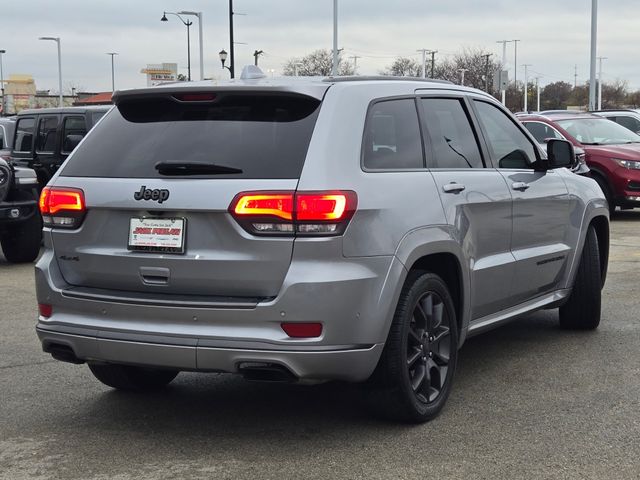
[{"x": 529, "y": 401}]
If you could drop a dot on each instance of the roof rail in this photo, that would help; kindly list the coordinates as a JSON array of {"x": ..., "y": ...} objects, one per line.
[{"x": 360, "y": 78}]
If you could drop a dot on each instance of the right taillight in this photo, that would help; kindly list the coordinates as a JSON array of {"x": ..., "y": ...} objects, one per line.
[
  {"x": 62, "y": 207},
  {"x": 301, "y": 213}
]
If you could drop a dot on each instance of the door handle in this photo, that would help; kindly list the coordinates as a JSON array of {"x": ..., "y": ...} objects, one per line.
[
  {"x": 155, "y": 275},
  {"x": 453, "y": 187},
  {"x": 522, "y": 186}
]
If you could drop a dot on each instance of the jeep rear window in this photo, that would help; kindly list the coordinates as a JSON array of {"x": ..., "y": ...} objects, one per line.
[{"x": 264, "y": 135}]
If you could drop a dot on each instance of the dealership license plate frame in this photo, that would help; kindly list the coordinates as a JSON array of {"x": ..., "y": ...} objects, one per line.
[{"x": 154, "y": 242}]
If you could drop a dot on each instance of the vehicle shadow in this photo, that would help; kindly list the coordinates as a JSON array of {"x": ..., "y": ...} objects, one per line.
[
  {"x": 626, "y": 215},
  {"x": 212, "y": 404}
]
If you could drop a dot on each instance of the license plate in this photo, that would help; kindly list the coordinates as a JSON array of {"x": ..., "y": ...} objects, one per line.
[{"x": 161, "y": 235}]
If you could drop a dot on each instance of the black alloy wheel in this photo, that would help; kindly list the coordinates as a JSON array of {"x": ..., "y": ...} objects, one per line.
[
  {"x": 414, "y": 375},
  {"x": 428, "y": 347}
]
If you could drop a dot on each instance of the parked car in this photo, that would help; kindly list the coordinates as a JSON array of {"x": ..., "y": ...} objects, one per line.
[
  {"x": 543, "y": 133},
  {"x": 20, "y": 224},
  {"x": 45, "y": 137},
  {"x": 355, "y": 229},
  {"x": 7, "y": 127},
  {"x": 629, "y": 119},
  {"x": 612, "y": 151}
]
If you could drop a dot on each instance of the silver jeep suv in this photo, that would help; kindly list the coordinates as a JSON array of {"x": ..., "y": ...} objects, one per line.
[{"x": 353, "y": 229}]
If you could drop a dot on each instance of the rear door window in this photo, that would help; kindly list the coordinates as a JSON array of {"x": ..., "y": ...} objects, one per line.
[
  {"x": 453, "y": 142},
  {"x": 392, "y": 136},
  {"x": 541, "y": 131},
  {"x": 263, "y": 135},
  {"x": 47, "y": 133},
  {"x": 24, "y": 135},
  {"x": 73, "y": 131}
]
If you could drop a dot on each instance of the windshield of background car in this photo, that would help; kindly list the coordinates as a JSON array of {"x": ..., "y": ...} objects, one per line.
[
  {"x": 264, "y": 135},
  {"x": 598, "y": 131}
]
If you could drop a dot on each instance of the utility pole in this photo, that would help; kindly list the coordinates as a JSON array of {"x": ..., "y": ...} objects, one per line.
[
  {"x": 538, "y": 92},
  {"x": 526, "y": 86},
  {"x": 355, "y": 63},
  {"x": 256, "y": 54},
  {"x": 433, "y": 61},
  {"x": 575, "y": 77},
  {"x": 486, "y": 71},
  {"x": 424, "y": 61},
  {"x": 600, "y": 83},
  {"x": 334, "y": 63},
  {"x": 462, "y": 70},
  {"x": 594, "y": 48},
  {"x": 515, "y": 63},
  {"x": 504, "y": 63}
]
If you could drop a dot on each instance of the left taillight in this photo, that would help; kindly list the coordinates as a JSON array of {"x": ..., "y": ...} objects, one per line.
[
  {"x": 312, "y": 213},
  {"x": 62, "y": 207}
]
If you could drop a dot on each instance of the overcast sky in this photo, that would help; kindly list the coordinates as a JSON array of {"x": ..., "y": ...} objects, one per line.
[{"x": 554, "y": 35}]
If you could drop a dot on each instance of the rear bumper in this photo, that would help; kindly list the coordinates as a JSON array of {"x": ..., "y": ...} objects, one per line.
[
  {"x": 353, "y": 298},
  {"x": 19, "y": 211},
  {"x": 354, "y": 364}
]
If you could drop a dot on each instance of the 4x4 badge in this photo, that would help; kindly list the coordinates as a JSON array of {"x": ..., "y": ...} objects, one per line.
[{"x": 147, "y": 194}]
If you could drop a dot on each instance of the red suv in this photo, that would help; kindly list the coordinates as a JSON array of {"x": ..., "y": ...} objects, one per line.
[{"x": 612, "y": 151}]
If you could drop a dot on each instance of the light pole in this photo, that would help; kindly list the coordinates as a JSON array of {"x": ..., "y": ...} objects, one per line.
[
  {"x": 223, "y": 54},
  {"x": 462, "y": 70},
  {"x": 113, "y": 77},
  {"x": 334, "y": 63},
  {"x": 187, "y": 24},
  {"x": 538, "y": 92},
  {"x": 3, "y": 104},
  {"x": 526, "y": 86},
  {"x": 594, "y": 44},
  {"x": 424, "y": 61},
  {"x": 199, "y": 15},
  {"x": 57, "y": 40},
  {"x": 600, "y": 83},
  {"x": 515, "y": 63},
  {"x": 503, "y": 91}
]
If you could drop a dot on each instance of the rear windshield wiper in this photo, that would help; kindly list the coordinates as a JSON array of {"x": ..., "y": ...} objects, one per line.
[{"x": 194, "y": 168}]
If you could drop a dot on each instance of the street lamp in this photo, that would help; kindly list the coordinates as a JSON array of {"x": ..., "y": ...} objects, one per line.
[
  {"x": 57, "y": 40},
  {"x": 113, "y": 77},
  {"x": 187, "y": 24},
  {"x": 199, "y": 15},
  {"x": 223, "y": 58},
  {"x": 3, "y": 104}
]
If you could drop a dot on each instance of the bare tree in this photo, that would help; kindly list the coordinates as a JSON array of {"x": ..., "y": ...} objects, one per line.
[
  {"x": 403, "y": 67},
  {"x": 317, "y": 63},
  {"x": 479, "y": 69}
]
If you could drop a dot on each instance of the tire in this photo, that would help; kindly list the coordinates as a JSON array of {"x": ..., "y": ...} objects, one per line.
[
  {"x": 582, "y": 310},
  {"x": 21, "y": 241},
  {"x": 604, "y": 186},
  {"x": 414, "y": 375},
  {"x": 127, "y": 377}
]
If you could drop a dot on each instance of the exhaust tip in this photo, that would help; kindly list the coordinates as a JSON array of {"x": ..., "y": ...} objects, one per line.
[
  {"x": 63, "y": 353},
  {"x": 266, "y": 372}
]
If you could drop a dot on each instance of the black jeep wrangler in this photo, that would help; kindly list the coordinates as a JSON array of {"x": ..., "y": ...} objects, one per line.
[
  {"x": 45, "y": 137},
  {"x": 20, "y": 222}
]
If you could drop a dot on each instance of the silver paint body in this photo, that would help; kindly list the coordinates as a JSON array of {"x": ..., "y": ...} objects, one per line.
[{"x": 517, "y": 252}]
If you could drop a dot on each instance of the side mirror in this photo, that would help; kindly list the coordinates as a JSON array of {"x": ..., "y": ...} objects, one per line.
[
  {"x": 560, "y": 154},
  {"x": 71, "y": 142}
]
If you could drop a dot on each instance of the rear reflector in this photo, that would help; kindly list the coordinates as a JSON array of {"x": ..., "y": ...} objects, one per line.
[
  {"x": 62, "y": 207},
  {"x": 302, "y": 330},
  {"x": 302, "y": 213},
  {"x": 45, "y": 310}
]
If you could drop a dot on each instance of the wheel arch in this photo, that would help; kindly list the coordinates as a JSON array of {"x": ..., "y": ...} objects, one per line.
[
  {"x": 434, "y": 250},
  {"x": 601, "y": 226}
]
